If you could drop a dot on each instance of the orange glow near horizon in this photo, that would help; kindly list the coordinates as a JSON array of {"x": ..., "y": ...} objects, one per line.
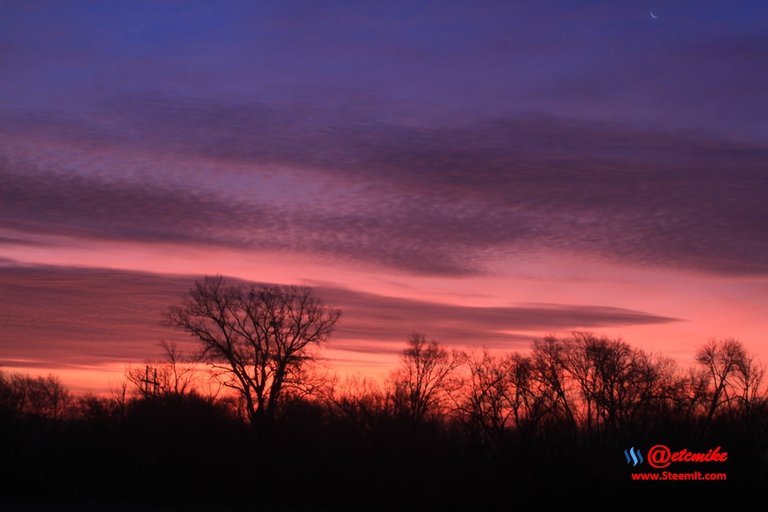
[{"x": 705, "y": 306}]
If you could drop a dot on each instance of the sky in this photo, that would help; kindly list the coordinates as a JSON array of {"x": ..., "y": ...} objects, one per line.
[{"x": 484, "y": 172}]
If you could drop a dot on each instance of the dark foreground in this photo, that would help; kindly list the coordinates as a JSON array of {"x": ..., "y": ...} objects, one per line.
[{"x": 188, "y": 454}]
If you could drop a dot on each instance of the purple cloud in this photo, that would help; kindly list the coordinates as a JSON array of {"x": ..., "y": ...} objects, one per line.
[
  {"x": 77, "y": 317},
  {"x": 424, "y": 199}
]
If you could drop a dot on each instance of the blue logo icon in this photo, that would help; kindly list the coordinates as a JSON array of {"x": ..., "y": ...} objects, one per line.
[{"x": 633, "y": 456}]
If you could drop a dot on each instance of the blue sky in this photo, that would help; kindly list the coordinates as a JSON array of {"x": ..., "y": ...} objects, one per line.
[{"x": 694, "y": 68}]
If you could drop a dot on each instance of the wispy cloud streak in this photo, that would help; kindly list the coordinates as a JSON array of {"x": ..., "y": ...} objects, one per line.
[{"x": 73, "y": 317}]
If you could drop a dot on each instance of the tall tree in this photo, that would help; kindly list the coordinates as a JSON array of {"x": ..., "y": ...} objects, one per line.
[
  {"x": 731, "y": 372},
  {"x": 425, "y": 379},
  {"x": 258, "y": 336}
]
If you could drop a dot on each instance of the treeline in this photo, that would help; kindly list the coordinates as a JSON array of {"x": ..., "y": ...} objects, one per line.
[
  {"x": 447, "y": 425},
  {"x": 587, "y": 384},
  {"x": 249, "y": 421}
]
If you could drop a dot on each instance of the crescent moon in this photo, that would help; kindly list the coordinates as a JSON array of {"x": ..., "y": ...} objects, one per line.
[{"x": 654, "y": 16}]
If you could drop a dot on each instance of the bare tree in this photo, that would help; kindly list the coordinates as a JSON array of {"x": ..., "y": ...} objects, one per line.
[
  {"x": 44, "y": 397},
  {"x": 13, "y": 394},
  {"x": 721, "y": 359},
  {"x": 119, "y": 397},
  {"x": 550, "y": 364},
  {"x": 618, "y": 384},
  {"x": 423, "y": 384},
  {"x": 693, "y": 393},
  {"x": 174, "y": 376},
  {"x": 179, "y": 373},
  {"x": 48, "y": 397},
  {"x": 506, "y": 392},
  {"x": 749, "y": 384},
  {"x": 258, "y": 336},
  {"x": 734, "y": 377},
  {"x": 491, "y": 403},
  {"x": 363, "y": 401},
  {"x": 532, "y": 400}
]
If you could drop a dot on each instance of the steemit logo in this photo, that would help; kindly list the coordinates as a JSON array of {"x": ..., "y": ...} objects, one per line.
[{"x": 633, "y": 456}]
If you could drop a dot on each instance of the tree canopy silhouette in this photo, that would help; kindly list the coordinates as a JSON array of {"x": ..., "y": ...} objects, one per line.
[
  {"x": 425, "y": 378},
  {"x": 259, "y": 336},
  {"x": 445, "y": 428}
]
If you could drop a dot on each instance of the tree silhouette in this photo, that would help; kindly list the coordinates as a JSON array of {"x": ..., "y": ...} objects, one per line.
[
  {"x": 258, "y": 336},
  {"x": 492, "y": 403},
  {"x": 174, "y": 376},
  {"x": 733, "y": 377},
  {"x": 24, "y": 396},
  {"x": 551, "y": 371},
  {"x": 386, "y": 440},
  {"x": 749, "y": 384},
  {"x": 617, "y": 382},
  {"x": 425, "y": 379}
]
